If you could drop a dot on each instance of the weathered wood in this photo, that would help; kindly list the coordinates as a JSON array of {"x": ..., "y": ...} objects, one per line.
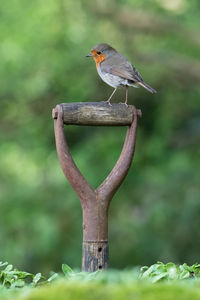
[
  {"x": 95, "y": 256},
  {"x": 96, "y": 114}
]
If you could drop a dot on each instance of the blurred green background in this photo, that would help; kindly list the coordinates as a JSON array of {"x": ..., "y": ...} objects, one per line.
[{"x": 156, "y": 213}]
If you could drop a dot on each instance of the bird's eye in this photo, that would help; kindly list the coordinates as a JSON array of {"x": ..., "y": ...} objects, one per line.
[{"x": 98, "y": 52}]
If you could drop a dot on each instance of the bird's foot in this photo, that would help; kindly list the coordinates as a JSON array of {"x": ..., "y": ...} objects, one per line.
[
  {"x": 125, "y": 103},
  {"x": 108, "y": 102}
]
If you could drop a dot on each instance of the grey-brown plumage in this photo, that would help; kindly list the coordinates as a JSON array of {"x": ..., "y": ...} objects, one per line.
[{"x": 116, "y": 70}]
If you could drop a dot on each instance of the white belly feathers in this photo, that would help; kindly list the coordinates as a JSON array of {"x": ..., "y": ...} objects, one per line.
[{"x": 112, "y": 80}]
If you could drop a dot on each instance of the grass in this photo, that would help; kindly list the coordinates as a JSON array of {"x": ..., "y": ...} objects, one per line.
[{"x": 157, "y": 282}]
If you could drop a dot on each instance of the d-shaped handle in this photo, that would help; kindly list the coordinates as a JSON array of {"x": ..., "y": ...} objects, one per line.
[{"x": 95, "y": 203}]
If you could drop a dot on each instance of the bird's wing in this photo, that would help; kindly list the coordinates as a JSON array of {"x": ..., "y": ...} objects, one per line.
[{"x": 119, "y": 65}]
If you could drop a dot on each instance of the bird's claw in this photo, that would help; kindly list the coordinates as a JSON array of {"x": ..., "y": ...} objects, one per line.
[
  {"x": 124, "y": 103},
  {"x": 108, "y": 102}
]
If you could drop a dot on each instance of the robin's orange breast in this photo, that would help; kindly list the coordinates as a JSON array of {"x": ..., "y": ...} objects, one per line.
[{"x": 98, "y": 58}]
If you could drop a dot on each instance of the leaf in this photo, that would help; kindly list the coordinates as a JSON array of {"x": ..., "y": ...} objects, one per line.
[
  {"x": 18, "y": 283},
  {"x": 55, "y": 275},
  {"x": 148, "y": 272},
  {"x": 66, "y": 270},
  {"x": 3, "y": 264},
  {"x": 23, "y": 274},
  {"x": 8, "y": 268},
  {"x": 197, "y": 266},
  {"x": 159, "y": 277},
  {"x": 142, "y": 269},
  {"x": 173, "y": 273},
  {"x": 184, "y": 275},
  {"x": 36, "y": 278}
]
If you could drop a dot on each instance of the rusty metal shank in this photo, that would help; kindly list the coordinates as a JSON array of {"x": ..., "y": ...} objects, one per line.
[
  {"x": 72, "y": 173},
  {"x": 113, "y": 181}
]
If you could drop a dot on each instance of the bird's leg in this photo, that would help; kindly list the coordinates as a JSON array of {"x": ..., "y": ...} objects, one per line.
[
  {"x": 126, "y": 96},
  {"x": 125, "y": 102},
  {"x": 108, "y": 101}
]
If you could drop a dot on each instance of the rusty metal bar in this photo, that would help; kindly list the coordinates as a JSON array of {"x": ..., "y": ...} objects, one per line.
[
  {"x": 72, "y": 173},
  {"x": 94, "y": 203}
]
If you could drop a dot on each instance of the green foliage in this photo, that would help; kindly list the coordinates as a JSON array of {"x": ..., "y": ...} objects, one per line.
[
  {"x": 114, "y": 284},
  {"x": 13, "y": 278},
  {"x": 155, "y": 214},
  {"x": 10, "y": 277},
  {"x": 170, "y": 271}
]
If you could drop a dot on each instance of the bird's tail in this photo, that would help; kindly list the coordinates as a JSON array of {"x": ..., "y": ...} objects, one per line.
[{"x": 147, "y": 87}]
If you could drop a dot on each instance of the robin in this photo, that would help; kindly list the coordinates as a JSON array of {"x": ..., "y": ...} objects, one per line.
[{"x": 116, "y": 70}]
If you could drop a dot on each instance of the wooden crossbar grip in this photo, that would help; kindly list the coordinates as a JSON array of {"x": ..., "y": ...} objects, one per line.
[{"x": 96, "y": 114}]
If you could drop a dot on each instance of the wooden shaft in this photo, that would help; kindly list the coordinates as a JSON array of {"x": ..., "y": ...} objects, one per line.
[
  {"x": 96, "y": 114},
  {"x": 95, "y": 256}
]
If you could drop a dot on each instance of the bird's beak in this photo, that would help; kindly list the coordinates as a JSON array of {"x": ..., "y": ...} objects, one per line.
[{"x": 88, "y": 55}]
